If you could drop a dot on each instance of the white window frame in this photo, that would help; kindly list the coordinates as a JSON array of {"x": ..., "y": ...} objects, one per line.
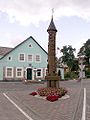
[
  {"x": 28, "y": 59},
  {"x": 46, "y": 71},
  {"x": 41, "y": 73},
  {"x": 21, "y": 72},
  {"x": 39, "y": 60},
  {"x": 7, "y": 71},
  {"x": 19, "y": 57}
]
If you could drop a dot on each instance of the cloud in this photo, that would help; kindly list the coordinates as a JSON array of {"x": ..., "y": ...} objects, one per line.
[
  {"x": 10, "y": 40},
  {"x": 32, "y": 11}
]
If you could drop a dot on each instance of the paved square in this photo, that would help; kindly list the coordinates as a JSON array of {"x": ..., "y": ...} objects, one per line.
[{"x": 39, "y": 109}]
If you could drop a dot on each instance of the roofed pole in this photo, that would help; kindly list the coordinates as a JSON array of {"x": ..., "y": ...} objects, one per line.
[{"x": 52, "y": 77}]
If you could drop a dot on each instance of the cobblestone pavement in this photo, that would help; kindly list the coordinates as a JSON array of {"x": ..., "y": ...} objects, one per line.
[{"x": 39, "y": 109}]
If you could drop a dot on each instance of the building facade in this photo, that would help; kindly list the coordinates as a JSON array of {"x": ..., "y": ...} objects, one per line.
[{"x": 28, "y": 60}]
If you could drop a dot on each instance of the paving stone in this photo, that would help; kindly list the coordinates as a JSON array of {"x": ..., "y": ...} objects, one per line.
[{"x": 39, "y": 109}]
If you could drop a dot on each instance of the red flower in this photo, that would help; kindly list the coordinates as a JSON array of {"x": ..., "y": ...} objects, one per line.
[
  {"x": 52, "y": 98},
  {"x": 33, "y": 93}
]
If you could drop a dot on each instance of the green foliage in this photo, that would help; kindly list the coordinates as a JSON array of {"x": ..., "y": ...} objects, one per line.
[
  {"x": 67, "y": 75},
  {"x": 68, "y": 56},
  {"x": 85, "y": 50},
  {"x": 71, "y": 75},
  {"x": 87, "y": 73},
  {"x": 81, "y": 51},
  {"x": 75, "y": 65}
]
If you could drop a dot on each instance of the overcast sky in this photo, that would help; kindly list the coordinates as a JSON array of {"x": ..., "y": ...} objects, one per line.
[{"x": 20, "y": 19}]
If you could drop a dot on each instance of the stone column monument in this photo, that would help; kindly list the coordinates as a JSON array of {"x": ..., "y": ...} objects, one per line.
[{"x": 52, "y": 77}]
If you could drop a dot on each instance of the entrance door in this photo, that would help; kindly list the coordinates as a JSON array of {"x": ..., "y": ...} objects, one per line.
[{"x": 29, "y": 74}]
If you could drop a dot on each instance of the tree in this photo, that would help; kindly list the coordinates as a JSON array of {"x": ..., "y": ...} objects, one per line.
[
  {"x": 85, "y": 50},
  {"x": 75, "y": 65},
  {"x": 68, "y": 56}
]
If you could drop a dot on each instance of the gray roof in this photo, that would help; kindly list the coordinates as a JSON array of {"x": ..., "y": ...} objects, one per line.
[
  {"x": 4, "y": 50},
  {"x": 52, "y": 26}
]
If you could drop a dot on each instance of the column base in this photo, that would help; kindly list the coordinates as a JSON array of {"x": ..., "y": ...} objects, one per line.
[{"x": 53, "y": 81}]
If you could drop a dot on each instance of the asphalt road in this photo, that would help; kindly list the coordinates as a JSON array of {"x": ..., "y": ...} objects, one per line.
[{"x": 86, "y": 84}]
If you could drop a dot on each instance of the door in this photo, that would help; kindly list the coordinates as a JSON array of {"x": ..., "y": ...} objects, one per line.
[{"x": 29, "y": 74}]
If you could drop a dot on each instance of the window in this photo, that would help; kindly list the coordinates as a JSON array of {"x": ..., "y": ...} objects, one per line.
[
  {"x": 37, "y": 58},
  {"x": 19, "y": 72},
  {"x": 30, "y": 58},
  {"x": 22, "y": 57},
  {"x": 9, "y": 72},
  {"x": 30, "y": 45},
  {"x": 39, "y": 73},
  {"x": 9, "y": 58}
]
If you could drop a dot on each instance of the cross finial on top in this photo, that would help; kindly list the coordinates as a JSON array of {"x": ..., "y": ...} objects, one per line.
[{"x": 52, "y": 12}]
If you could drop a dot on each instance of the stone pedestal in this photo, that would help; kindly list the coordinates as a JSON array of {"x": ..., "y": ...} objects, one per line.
[{"x": 53, "y": 81}]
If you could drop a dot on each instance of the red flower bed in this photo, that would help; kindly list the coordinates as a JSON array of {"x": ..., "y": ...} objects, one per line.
[
  {"x": 52, "y": 94},
  {"x": 33, "y": 93},
  {"x": 52, "y": 98},
  {"x": 52, "y": 91}
]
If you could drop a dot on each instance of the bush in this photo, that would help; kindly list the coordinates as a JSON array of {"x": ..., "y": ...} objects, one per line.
[
  {"x": 70, "y": 75},
  {"x": 87, "y": 73}
]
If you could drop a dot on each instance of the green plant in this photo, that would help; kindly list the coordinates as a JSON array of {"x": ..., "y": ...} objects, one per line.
[
  {"x": 71, "y": 75},
  {"x": 87, "y": 73}
]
